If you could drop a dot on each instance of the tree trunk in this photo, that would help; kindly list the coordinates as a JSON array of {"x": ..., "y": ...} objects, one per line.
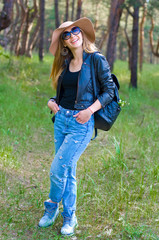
[
  {"x": 20, "y": 31},
  {"x": 104, "y": 36},
  {"x": 41, "y": 35},
  {"x": 114, "y": 19},
  {"x": 79, "y": 8},
  {"x": 6, "y": 14},
  {"x": 57, "y": 21},
  {"x": 14, "y": 28},
  {"x": 122, "y": 56},
  {"x": 33, "y": 39},
  {"x": 134, "y": 60},
  {"x": 102, "y": 40},
  {"x": 155, "y": 52},
  {"x": 96, "y": 15},
  {"x": 142, "y": 37},
  {"x": 73, "y": 10},
  {"x": 67, "y": 10},
  {"x": 25, "y": 35},
  {"x": 128, "y": 40},
  {"x": 31, "y": 13},
  {"x": 47, "y": 42}
]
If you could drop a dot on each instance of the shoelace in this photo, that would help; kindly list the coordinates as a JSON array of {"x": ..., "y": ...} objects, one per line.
[
  {"x": 66, "y": 220},
  {"x": 48, "y": 213}
]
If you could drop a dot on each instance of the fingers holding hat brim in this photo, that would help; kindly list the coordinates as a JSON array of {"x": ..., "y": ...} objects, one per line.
[{"x": 83, "y": 23}]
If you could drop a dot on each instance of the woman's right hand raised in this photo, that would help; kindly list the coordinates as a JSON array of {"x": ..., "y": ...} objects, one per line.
[{"x": 53, "y": 106}]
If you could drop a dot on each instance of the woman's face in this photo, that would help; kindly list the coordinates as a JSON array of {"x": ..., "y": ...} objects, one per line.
[{"x": 75, "y": 41}]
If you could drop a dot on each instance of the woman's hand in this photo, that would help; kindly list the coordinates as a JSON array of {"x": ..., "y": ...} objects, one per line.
[
  {"x": 83, "y": 116},
  {"x": 53, "y": 106}
]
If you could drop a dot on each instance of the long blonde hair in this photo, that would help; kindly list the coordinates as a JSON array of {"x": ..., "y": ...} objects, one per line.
[{"x": 58, "y": 62}]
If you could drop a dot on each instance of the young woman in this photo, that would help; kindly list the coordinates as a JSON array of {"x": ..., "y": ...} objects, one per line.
[{"x": 74, "y": 106}]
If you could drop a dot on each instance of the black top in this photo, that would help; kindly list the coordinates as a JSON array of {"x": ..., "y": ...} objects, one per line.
[{"x": 69, "y": 89}]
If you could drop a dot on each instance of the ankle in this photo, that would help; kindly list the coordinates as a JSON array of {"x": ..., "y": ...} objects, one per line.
[{"x": 52, "y": 201}]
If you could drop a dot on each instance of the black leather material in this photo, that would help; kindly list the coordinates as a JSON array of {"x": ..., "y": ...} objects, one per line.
[
  {"x": 106, "y": 116},
  {"x": 105, "y": 86}
]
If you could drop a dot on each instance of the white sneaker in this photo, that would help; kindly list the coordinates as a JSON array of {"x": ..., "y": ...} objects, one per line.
[
  {"x": 50, "y": 214},
  {"x": 69, "y": 225}
]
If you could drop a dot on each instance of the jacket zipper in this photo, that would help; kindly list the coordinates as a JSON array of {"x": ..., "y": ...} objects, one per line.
[{"x": 78, "y": 79}]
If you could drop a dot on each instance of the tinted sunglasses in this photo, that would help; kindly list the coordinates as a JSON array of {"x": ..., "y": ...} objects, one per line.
[{"x": 75, "y": 31}]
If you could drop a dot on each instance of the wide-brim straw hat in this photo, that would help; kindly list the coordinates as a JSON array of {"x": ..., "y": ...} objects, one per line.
[{"x": 84, "y": 24}]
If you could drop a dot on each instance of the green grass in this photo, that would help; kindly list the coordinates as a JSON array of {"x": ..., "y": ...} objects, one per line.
[{"x": 118, "y": 174}]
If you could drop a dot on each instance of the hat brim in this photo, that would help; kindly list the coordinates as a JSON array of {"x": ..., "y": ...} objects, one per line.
[{"x": 83, "y": 23}]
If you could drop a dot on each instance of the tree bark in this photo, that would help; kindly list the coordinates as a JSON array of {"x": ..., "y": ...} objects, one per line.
[
  {"x": 41, "y": 35},
  {"x": 33, "y": 39},
  {"x": 142, "y": 37},
  {"x": 155, "y": 52},
  {"x": 104, "y": 36},
  {"x": 122, "y": 47},
  {"x": 134, "y": 59},
  {"x": 57, "y": 21},
  {"x": 103, "y": 39},
  {"x": 128, "y": 40},
  {"x": 79, "y": 8},
  {"x": 114, "y": 19},
  {"x": 73, "y": 10},
  {"x": 6, "y": 14},
  {"x": 31, "y": 13},
  {"x": 67, "y": 10},
  {"x": 20, "y": 31},
  {"x": 96, "y": 15},
  {"x": 14, "y": 28}
]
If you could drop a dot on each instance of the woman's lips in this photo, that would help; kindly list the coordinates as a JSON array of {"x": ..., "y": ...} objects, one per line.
[{"x": 74, "y": 41}]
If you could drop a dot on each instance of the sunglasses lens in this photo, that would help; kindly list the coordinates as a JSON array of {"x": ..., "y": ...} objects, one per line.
[
  {"x": 66, "y": 35},
  {"x": 76, "y": 30}
]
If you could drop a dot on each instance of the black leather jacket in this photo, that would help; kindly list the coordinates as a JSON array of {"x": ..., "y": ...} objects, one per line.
[{"x": 105, "y": 84}]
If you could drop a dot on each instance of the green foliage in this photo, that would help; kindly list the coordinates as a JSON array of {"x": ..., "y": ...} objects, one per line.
[
  {"x": 7, "y": 158},
  {"x": 3, "y": 53},
  {"x": 153, "y": 5},
  {"x": 118, "y": 175},
  {"x": 134, "y": 3}
]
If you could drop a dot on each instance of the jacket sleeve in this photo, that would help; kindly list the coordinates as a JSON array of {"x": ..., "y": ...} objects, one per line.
[
  {"x": 53, "y": 99},
  {"x": 103, "y": 75}
]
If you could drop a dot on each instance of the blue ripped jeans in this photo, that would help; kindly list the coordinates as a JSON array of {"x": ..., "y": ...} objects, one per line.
[{"x": 71, "y": 139}]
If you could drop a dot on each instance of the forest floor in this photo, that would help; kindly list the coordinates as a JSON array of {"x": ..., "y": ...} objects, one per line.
[{"x": 117, "y": 176}]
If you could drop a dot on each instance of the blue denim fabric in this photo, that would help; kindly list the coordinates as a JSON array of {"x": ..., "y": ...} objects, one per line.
[{"x": 71, "y": 139}]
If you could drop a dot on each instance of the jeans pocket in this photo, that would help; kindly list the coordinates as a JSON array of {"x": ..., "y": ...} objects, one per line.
[
  {"x": 55, "y": 115},
  {"x": 86, "y": 123},
  {"x": 57, "y": 112},
  {"x": 82, "y": 124}
]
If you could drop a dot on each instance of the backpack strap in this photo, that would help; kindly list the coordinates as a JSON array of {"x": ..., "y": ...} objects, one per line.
[
  {"x": 94, "y": 87},
  {"x": 95, "y": 134},
  {"x": 115, "y": 80}
]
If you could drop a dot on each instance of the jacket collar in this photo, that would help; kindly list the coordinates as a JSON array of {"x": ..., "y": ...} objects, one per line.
[
  {"x": 68, "y": 60},
  {"x": 85, "y": 55}
]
